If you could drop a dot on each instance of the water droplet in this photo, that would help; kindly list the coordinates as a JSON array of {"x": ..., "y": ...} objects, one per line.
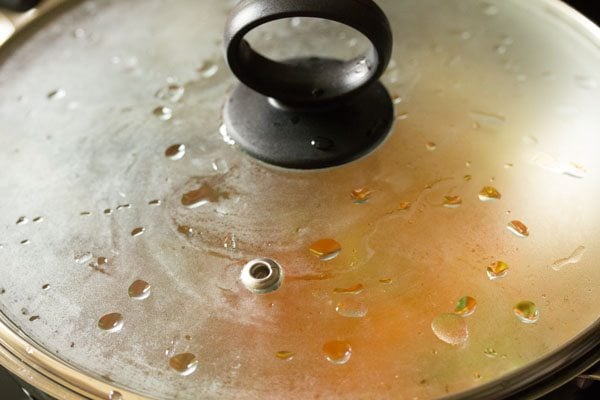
[
  {"x": 405, "y": 205},
  {"x": 172, "y": 93},
  {"x": 337, "y": 352},
  {"x": 402, "y": 116},
  {"x": 26, "y": 241},
  {"x": 285, "y": 355},
  {"x": 396, "y": 99},
  {"x": 322, "y": 143},
  {"x": 114, "y": 395},
  {"x": 508, "y": 165},
  {"x": 102, "y": 261},
  {"x": 220, "y": 165},
  {"x": 465, "y": 306},
  {"x": 489, "y": 9},
  {"x": 46, "y": 286},
  {"x": 356, "y": 289},
  {"x": 34, "y": 318},
  {"x": 295, "y": 22},
  {"x": 203, "y": 195},
  {"x": 450, "y": 328},
  {"x": 230, "y": 242},
  {"x": 163, "y": 113},
  {"x": 225, "y": 135},
  {"x": 467, "y": 178},
  {"x": 452, "y": 201},
  {"x": 208, "y": 69},
  {"x": 175, "y": 152},
  {"x": 123, "y": 207},
  {"x": 574, "y": 258},
  {"x": 184, "y": 363},
  {"x": 490, "y": 352},
  {"x": 138, "y": 232},
  {"x": 501, "y": 49},
  {"x": 361, "y": 196},
  {"x": 85, "y": 213},
  {"x": 518, "y": 229},
  {"x": 57, "y": 94},
  {"x": 386, "y": 281},
  {"x": 140, "y": 290},
  {"x": 22, "y": 221},
  {"x": 497, "y": 269},
  {"x": 574, "y": 170},
  {"x": 38, "y": 220},
  {"x": 83, "y": 258},
  {"x": 487, "y": 118},
  {"x": 527, "y": 312},
  {"x": 430, "y": 146},
  {"x": 108, "y": 211},
  {"x": 468, "y": 164},
  {"x": 154, "y": 203},
  {"x": 489, "y": 193},
  {"x": 586, "y": 82},
  {"x": 185, "y": 230},
  {"x": 351, "y": 308},
  {"x": 111, "y": 322},
  {"x": 326, "y": 249}
]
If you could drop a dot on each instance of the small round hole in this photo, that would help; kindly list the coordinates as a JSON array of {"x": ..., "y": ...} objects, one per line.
[{"x": 260, "y": 271}]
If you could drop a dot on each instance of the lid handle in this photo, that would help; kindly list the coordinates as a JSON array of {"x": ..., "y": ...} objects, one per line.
[
  {"x": 308, "y": 81},
  {"x": 308, "y": 113}
]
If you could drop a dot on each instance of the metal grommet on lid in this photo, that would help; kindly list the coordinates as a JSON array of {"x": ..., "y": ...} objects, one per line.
[{"x": 262, "y": 275}]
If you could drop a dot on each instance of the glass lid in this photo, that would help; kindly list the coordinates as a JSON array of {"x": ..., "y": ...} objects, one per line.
[{"x": 145, "y": 255}]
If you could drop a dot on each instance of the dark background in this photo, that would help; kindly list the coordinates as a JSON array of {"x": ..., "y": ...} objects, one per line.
[{"x": 590, "y": 8}]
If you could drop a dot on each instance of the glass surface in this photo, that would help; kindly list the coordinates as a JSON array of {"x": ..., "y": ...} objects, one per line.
[{"x": 115, "y": 170}]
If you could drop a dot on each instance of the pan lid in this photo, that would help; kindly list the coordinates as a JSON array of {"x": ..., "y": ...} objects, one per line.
[{"x": 147, "y": 254}]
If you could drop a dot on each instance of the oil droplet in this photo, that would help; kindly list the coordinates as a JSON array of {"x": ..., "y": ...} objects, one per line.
[
  {"x": 402, "y": 116},
  {"x": 356, "y": 289},
  {"x": 489, "y": 193},
  {"x": 467, "y": 178},
  {"x": 337, "y": 352},
  {"x": 203, "y": 195},
  {"x": 574, "y": 258},
  {"x": 111, "y": 322},
  {"x": 175, "y": 152},
  {"x": 154, "y": 203},
  {"x": 527, "y": 312},
  {"x": 465, "y": 306},
  {"x": 518, "y": 229},
  {"x": 108, "y": 211},
  {"x": 405, "y": 205},
  {"x": 326, "y": 249},
  {"x": 184, "y": 363},
  {"x": 386, "y": 281},
  {"x": 37, "y": 220},
  {"x": 138, "y": 232},
  {"x": 140, "y": 290},
  {"x": 490, "y": 352},
  {"x": 497, "y": 269},
  {"x": 85, "y": 213},
  {"x": 452, "y": 201},
  {"x": 172, "y": 93},
  {"x": 351, "y": 308},
  {"x": 83, "y": 258},
  {"x": 322, "y": 143},
  {"x": 34, "y": 318},
  {"x": 57, "y": 94},
  {"x": 26, "y": 241},
  {"x": 508, "y": 165},
  {"x": 430, "y": 146},
  {"x": 185, "y": 230},
  {"x": 114, "y": 395},
  {"x": 208, "y": 69},
  {"x": 163, "y": 113},
  {"x": 450, "y": 328},
  {"x": 361, "y": 196},
  {"x": 220, "y": 165},
  {"x": 123, "y": 207},
  {"x": 22, "y": 221},
  {"x": 284, "y": 355}
]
